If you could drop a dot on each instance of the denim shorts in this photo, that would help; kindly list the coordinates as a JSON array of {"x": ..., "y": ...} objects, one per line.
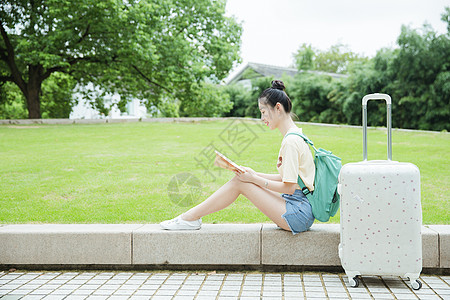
[{"x": 298, "y": 214}]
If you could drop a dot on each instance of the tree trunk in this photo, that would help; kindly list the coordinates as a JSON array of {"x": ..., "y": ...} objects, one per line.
[
  {"x": 33, "y": 92},
  {"x": 33, "y": 104}
]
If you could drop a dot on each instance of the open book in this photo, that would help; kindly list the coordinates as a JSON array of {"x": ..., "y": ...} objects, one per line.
[{"x": 224, "y": 162}]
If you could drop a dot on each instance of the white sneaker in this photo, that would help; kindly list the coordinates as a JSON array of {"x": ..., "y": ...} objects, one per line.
[{"x": 179, "y": 224}]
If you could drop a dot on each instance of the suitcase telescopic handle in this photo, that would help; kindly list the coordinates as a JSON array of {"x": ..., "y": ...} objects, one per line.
[{"x": 388, "y": 100}]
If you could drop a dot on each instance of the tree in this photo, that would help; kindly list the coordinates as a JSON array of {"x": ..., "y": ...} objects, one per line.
[
  {"x": 304, "y": 58},
  {"x": 152, "y": 50},
  {"x": 258, "y": 86},
  {"x": 210, "y": 101},
  {"x": 365, "y": 77},
  {"x": 241, "y": 98},
  {"x": 11, "y": 102},
  {"x": 420, "y": 84},
  {"x": 312, "y": 101},
  {"x": 57, "y": 99},
  {"x": 334, "y": 60},
  {"x": 416, "y": 75}
]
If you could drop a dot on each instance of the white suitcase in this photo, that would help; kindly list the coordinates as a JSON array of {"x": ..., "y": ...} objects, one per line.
[{"x": 381, "y": 214}]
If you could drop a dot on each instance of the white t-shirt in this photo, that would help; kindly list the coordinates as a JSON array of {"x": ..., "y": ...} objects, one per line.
[{"x": 295, "y": 158}]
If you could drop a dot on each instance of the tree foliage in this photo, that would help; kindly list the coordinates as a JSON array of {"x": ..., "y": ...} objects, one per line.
[
  {"x": 152, "y": 50},
  {"x": 209, "y": 101},
  {"x": 241, "y": 99},
  {"x": 420, "y": 75},
  {"x": 311, "y": 101},
  {"x": 334, "y": 60},
  {"x": 11, "y": 102},
  {"x": 304, "y": 58},
  {"x": 57, "y": 98},
  {"x": 244, "y": 101}
]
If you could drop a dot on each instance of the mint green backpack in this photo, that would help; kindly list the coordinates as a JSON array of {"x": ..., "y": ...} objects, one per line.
[{"x": 325, "y": 198}]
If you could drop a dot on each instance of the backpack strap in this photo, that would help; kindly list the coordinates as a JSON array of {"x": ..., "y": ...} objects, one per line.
[
  {"x": 300, "y": 182},
  {"x": 307, "y": 140},
  {"x": 305, "y": 190},
  {"x": 304, "y": 137}
]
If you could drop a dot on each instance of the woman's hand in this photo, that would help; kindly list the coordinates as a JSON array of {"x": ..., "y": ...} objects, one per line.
[
  {"x": 247, "y": 169},
  {"x": 248, "y": 176}
]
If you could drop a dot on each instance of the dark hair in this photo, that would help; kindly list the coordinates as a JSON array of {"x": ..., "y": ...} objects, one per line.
[{"x": 276, "y": 94}]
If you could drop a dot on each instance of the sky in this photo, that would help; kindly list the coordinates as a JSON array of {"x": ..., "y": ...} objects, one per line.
[{"x": 274, "y": 30}]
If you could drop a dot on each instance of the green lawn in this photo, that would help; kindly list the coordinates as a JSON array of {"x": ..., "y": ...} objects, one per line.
[{"x": 120, "y": 173}]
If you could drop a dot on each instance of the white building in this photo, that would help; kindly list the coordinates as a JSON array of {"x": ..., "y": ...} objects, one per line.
[{"x": 83, "y": 110}]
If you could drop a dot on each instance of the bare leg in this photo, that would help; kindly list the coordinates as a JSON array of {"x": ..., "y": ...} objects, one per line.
[{"x": 268, "y": 202}]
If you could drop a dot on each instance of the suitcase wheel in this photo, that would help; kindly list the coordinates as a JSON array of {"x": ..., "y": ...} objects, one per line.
[
  {"x": 354, "y": 282},
  {"x": 416, "y": 285}
]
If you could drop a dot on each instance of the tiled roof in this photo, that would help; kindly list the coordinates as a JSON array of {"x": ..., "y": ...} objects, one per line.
[{"x": 272, "y": 71}]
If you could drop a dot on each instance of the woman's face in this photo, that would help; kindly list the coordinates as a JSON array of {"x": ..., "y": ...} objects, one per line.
[{"x": 267, "y": 115}]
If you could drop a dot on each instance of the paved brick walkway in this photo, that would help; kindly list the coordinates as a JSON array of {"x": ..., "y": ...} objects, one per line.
[{"x": 188, "y": 285}]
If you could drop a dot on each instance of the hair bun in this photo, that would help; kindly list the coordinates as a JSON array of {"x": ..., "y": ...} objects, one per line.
[{"x": 278, "y": 84}]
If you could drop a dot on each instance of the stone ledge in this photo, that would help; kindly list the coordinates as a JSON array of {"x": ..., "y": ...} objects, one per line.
[
  {"x": 443, "y": 248},
  {"x": 110, "y": 120},
  {"x": 235, "y": 244},
  {"x": 66, "y": 244},
  {"x": 315, "y": 247},
  {"x": 139, "y": 245},
  {"x": 430, "y": 248}
]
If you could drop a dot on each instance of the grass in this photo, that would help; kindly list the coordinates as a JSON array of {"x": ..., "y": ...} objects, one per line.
[{"x": 120, "y": 173}]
